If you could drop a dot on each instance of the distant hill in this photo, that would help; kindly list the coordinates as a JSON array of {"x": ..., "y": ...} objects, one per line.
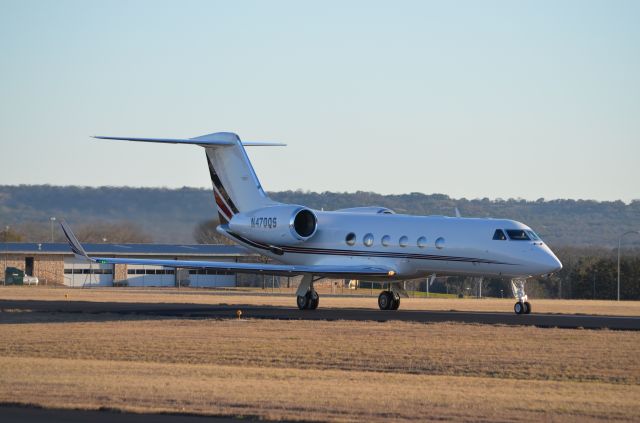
[{"x": 170, "y": 215}]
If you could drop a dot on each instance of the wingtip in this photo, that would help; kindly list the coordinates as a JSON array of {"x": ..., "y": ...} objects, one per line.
[{"x": 74, "y": 244}]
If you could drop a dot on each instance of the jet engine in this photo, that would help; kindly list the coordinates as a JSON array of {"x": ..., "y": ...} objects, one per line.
[{"x": 281, "y": 224}]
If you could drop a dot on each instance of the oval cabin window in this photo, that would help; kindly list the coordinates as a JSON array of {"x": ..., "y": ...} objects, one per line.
[
  {"x": 368, "y": 240},
  {"x": 350, "y": 239}
]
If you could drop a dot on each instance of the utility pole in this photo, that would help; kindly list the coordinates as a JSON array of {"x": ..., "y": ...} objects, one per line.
[
  {"x": 52, "y": 219},
  {"x": 6, "y": 254}
]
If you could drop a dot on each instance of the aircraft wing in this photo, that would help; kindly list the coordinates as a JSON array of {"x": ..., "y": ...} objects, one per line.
[{"x": 269, "y": 269}]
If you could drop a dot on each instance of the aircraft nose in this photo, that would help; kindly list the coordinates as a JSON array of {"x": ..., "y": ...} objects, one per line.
[{"x": 551, "y": 263}]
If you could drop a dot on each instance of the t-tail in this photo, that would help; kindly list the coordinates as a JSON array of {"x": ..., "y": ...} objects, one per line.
[{"x": 236, "y": 187}]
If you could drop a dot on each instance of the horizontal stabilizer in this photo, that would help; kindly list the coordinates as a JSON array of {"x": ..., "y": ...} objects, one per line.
[
  {"x": 195, "y": 141},
  {"x": 263, "y": 144}
]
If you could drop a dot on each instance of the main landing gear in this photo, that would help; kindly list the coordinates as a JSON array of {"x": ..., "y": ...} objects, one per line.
[
  {"x": 522, "y": 306},
  {"x": 307, "y": 297},
  {"x": 308, "y": 301},
  {"x": 389, "y": 300}
]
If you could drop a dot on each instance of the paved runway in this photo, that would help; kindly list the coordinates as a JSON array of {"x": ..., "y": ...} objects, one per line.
[
  {"x": 81, "y": 310},
  {"x": 21, "y": 414}
]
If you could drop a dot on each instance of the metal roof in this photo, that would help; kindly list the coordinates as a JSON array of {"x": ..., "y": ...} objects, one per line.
[{"x": 208, "y": 250}]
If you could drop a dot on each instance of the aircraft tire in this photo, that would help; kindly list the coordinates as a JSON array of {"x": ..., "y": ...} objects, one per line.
[
  {"x": 314, "y": 300},
  {"x": 518, "y": 308},
  {"x": 395, "y": 304},
  {"x": 385, "y": 300},
  {"x": 302, "y": 301},
  {"x": 527, "y": 307}
]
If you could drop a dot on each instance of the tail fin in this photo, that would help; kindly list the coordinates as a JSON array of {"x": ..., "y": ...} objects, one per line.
[{"x": 236, "y": 187}]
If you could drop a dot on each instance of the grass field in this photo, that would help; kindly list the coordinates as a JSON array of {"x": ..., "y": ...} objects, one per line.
[
  {"x": 313, "y": 370},
  {"x": 324, "y": 370},
  {"x": 286, "y": 299}
]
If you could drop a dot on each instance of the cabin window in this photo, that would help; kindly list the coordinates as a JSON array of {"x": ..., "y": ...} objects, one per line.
[
  {"x": 404, "y": 241},
  {"x": 440, "y": 243},
  {"x": 422, "y": 242},
  {"x": 518, "y": 235},
  {"x": 386, "y": 240},
  {"x": 350, "y": 239},
  {"x": 368, "y": 240},
  {"x": 498, "y": 235}
]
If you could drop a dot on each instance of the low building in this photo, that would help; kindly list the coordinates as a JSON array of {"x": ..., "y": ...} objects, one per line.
[{"x": 54, "y": 263}]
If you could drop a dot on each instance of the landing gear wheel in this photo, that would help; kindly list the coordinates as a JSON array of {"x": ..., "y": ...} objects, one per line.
[
  {"x": 385, "y": 300},
  {"x": 303, "y": 301},
  {"x": 527, "y": 307},
  {"x": 314, "y": 300},
  {"x": 519, "y": 308},
  {"x": 396, "y": 301},
  {"x": 309, "y": 301}
]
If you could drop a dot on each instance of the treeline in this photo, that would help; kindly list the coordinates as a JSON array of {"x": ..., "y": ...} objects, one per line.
[
  {"x": 171, "y": 215},
  {"x": 96, "y": 232},
  {"x": 583, "y": 233}
]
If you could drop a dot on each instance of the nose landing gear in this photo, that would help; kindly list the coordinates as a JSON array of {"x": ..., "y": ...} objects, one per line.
[{"x": 522, "y": 306}]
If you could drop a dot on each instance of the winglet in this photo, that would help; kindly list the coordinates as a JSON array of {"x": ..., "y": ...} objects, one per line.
[{"x": 75, "y": 245}]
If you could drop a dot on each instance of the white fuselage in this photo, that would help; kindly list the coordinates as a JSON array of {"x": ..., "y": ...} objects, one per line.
[{"x": 416, "y": 246}]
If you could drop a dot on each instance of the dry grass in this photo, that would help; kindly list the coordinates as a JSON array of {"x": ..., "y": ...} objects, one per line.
[
  {"x": 325, "y": 370},
  {"x": 200, "y": 296},
  {"x": 289, "y": 393},
  {"x": 446, "y": 349}
]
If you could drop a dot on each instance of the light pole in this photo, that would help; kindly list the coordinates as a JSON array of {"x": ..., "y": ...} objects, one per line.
[
  {"x": 52, "y": 219},
  {"x": 619, "y": 245},
  {"x": 6, "y": 254}
]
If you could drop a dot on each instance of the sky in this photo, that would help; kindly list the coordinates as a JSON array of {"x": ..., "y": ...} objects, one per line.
[{"x": 498, "y": 99}]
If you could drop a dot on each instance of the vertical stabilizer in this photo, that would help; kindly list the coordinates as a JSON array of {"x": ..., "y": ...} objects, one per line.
[{"x": 235, "y": 185}]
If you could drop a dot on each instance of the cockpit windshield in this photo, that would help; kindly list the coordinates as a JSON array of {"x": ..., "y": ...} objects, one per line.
[
  {"x": 515, "y": 235},
  {"x": 518, "y": 235},
  {"x": 498, "y": 235},
  {"x": 533, "y": 235}
]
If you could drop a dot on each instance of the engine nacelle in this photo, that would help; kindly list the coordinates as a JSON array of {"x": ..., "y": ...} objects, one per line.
[{"x": 276, "y": 224}]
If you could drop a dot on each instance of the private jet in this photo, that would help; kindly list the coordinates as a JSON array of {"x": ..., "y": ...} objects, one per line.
[{"x": 363, "y": 243}]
